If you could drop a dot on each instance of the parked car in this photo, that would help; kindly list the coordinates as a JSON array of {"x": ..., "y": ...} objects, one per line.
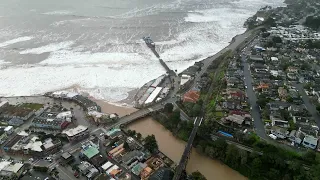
[{"x": 76, "y": 174}]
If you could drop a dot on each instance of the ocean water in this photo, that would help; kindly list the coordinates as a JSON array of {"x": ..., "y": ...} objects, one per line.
[{"x": 96, "y": 45}]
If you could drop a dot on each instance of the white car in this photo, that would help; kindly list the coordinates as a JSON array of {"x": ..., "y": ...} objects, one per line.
[{"x": 48, "y": 159}]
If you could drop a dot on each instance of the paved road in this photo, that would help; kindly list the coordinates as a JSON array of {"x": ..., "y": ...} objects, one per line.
[
  {"x": 255, "y": 112},
  {"x": 309, "y": 106}
]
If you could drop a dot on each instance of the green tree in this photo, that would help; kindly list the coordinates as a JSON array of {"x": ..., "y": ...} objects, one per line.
[
  {"x": 175, "y": 118},
  {"x": 244, "y": 157},
  {"x": 256, "y": 167},
  {"x": 151, "y": 143},
  {"x": 131, "y": 132},
  {"x": 262, "y": 102},
  {"x": 289, "y": 99},
  {"x": 168, "y": 108},
  {"x": 232, "y": 156},
  {"x": 309, "y": 156},
  {"x": 277, "y": 39},
  {"x": 292, "y": 125},
  {"x": 139, "y": 136},
  {"x": 197, "y": 176},
  {"x": 273, "y": 173},
  {"x": 315, "y": 172},
  {"x": 318, "y": 107},
  {"x": 195, "y": 110}
]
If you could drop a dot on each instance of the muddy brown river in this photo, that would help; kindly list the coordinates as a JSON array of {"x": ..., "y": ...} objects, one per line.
[{"x": 173, "y": 148}]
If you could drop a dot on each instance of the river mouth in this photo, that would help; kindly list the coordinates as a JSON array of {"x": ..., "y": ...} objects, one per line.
[{"x": 173, "y": 148}]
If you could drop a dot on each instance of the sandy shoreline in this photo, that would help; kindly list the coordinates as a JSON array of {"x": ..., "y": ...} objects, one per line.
[{"x": 109, "y": 108}]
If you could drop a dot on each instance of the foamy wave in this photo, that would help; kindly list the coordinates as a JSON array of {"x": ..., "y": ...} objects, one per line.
[
  {"x": 38, "y": 80},
  {"x": 62, "y": 12},
  {"x": 13, "y": 41},
  {"x": 48, "y": 48},
  {"x": 4, "y": 62},
  {"x": 73, "y": 57}
]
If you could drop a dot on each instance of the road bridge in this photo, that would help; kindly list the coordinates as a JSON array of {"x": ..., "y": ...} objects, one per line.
[{"x": 185, "y": 156}]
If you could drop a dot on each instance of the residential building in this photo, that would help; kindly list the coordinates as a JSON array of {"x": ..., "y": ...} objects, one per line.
[
  {"x": 132, "y": 156},
  {"x": 162, "y": 174},
  {"x": 277, "y": 120},
  {"x": 3, "y": 136},
  {"x": 310, "y": 142},
  {"x": 281, "y": 133},
  {"x": 282, "y": 93},
  {"x": 292, "y": 69},
  {"x": 52, "y": 124},
  {"x": 15, "y": 122},
  {"x": 84, "y": 167},
  {"x": 66, "y": 158},
  {"x": 90, "y": 152},
  {"x": 97, "y": 160},
  {"x": 8, "y": 130},
  {"x": 256, "y": 58},
  {"x": 296, "y": 136},
  {"x": 33, "y": 146},
  {"x": 185, "y": 81},
  {"x": 238, "y": 119},
  {"x": 67, "y": 116},
  {"x": 9, "y": 170},
  {"x": 191, "y": 96},
  {"x": 11, "y": 142},
  {"x": 77, "y": 133}
]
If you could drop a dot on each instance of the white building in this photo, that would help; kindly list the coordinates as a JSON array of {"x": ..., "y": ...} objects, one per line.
[
  {"x": 8, "y": 130},
  {"x": 185, "y": 79},
  {"x": 310, "y": 142},
  {"x": 279, "y": 132},
  {"x": 296, "y": 136},
  {"x": 67, "y": 115},
  {"x": 77, "y": 133}
]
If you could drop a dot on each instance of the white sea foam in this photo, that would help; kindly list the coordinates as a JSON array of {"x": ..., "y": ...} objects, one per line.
[
  {"x": 101, "y": 79},
  {"x": 61, "y": 12},
  {"x": 48, "y": 48},
  {"x": 14, "y": 41},
  {"x": 76, "y": 57},
  {"x": 4, "y": 62}
]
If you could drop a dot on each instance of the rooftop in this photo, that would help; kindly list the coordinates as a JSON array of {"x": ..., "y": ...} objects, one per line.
[
  {"x": 75, "y": 131},
  {"x": 109, "y": 133},
  {"x": 91, "y": 152},
  {"x": 53, "y": 122},
  {"x": 34, "y": 144},
  {"x": 162, "y": 174},
  {"x": 66, "y": 155},
  {"x": 310, "y": 139}
]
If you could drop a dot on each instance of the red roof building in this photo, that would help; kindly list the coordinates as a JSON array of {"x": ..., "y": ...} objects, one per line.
[{"x": 191, "y": 96}]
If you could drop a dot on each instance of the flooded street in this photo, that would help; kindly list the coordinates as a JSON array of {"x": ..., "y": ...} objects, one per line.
[{"x": 173, "y": 148}]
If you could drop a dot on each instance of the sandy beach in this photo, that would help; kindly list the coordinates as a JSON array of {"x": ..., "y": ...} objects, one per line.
[{"x": 114, "y": 108}]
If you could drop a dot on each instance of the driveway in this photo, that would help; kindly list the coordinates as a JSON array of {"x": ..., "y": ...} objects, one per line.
[{"x": 255, "y": 112}]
